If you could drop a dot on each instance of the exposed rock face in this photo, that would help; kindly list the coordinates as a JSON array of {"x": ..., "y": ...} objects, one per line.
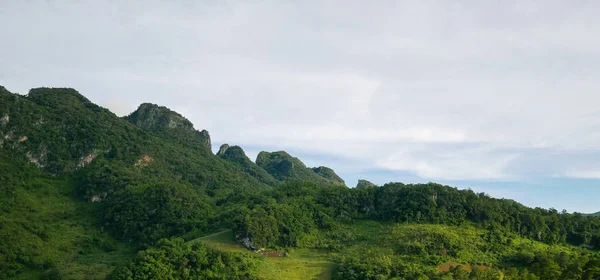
[
  {"x": 87, "y": 159},
  {"x": 143, "y": 161},
  {"x": 364, "y": 184},
  {"x": 38, "y": 160},
  {"x": 328, "y": 173},
  {"x": 162, "y": 120},
  {"x": 153, "y": 117},
  {"x": 4, "y": 120},
  {"x": 222, "y": 149},
  {"x": 206, "y": 137}
]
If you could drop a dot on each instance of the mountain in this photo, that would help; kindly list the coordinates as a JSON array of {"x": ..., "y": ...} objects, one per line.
[
  {"x": 594, "y": 214},
  {"x": 162, "y": 121},
  {"x": 362, "y": 183},
  {"x": 85, "y": 194},
  {"x": 236, "y": 155},
  {"x": 285, "y": 167},
  {"x": 328, "y": 173}
]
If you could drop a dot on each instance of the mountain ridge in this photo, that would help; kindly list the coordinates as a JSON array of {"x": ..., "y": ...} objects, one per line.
[{"x": 83, "y": 190}]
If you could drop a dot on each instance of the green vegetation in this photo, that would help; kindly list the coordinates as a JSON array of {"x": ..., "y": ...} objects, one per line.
[
  {"x": 236, "y": 155},
  {"x": 82, "y": 190},
  {"x": 298, "y": 263},
  {"x": 175, "y": 259},
  {"x": 364, "y": 184},
  {"x": 594, "y": 214},
  {"x": 285, "y": 167},
  {"x": 328, "y": 173},
  {"x": 47, "y": 232}
]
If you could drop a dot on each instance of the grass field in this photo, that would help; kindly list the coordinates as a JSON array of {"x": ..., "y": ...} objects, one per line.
[
  {"x": 297, "y": 264},
  {"x": 439, "y": 248}
]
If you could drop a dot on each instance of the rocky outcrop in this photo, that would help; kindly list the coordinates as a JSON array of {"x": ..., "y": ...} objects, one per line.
[
  {"x": 167, "y": 123},
  {"x": 150, "y": 116},
  {"x": 38, "y": 160},
  {"x": 87, "y": 159},
  {"x": 205, "y": 136},
  {"x": 4, "y": 120},
  {"x": 222, "y": 150},
  {"x": 364, "y": 184},
  {"x": 143, "y": 161},
  {"x": 328, "y": 173},
  {"x": 237, "y": 156},
  {"x": 285, "y": 167}
]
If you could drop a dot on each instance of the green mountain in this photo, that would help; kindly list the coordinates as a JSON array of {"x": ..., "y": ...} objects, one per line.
[
  {"x": 61, "y": 131},
  {"x": 85, "y": 194},
  {"x": 362, "y": 183},
  {"x": 284, "y": 167},
  {"x": 236, "y": 155},
  {"x": 164, "y": 122},
  {"x": 328, "y": 173}
]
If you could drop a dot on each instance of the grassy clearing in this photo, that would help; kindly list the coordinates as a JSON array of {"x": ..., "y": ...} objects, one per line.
[{"x": 298, "y": 264}]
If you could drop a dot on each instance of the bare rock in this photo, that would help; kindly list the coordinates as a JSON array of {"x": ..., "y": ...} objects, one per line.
[
  {"x": 87, "y": 159},
  {"x": 222, "y": 149},
  {"x": 4, "y": 120}
]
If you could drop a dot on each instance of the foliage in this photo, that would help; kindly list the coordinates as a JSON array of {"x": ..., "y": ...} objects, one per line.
[
  {"x": 285, "y": 167},
  {"x": 174, "y": 259},
  {"x": 437, "y": 204},
  {"x": 236, "y": 155},
  {"x": 45, "y": 231},
  {"x": 81, "y": 189},
  {"x": 151, "y": 212}
]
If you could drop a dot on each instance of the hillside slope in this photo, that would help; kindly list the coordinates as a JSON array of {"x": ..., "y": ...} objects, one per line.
[
  {"x": 237, "y": 156},
  {"x": 46, "y": 232},
  {"x": 60, "y": 131},
  {"x": 82, "y": 190},
  {"x": 285, "y": 167}
]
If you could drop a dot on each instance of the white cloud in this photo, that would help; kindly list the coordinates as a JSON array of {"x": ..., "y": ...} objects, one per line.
[
  {"x": 583, "y": 174},
  {"x": 445, "y": 90}
]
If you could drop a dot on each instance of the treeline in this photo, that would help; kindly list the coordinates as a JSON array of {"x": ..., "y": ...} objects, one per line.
[
  {"x": 279, "y": 217},
  {"x": 408, "y": 251},
  {"x": 310, "y": 216}
]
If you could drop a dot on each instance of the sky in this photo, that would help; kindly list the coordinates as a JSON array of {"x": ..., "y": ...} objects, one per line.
[{"x": 498, "y": 96}]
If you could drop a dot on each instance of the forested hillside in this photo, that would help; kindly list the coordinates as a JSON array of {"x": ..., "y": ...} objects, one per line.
[{"x": 85, "y": 194}]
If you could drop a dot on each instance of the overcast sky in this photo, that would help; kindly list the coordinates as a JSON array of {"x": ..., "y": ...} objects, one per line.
[{"x": 498, "y": 96}]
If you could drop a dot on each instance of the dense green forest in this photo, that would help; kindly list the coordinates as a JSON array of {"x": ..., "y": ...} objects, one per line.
[{"x": 85, "y": 194}]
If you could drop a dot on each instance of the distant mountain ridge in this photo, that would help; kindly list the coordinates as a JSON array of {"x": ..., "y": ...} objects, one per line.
[
  {"x": 91, "y": 132},
  {"x": 285, "y": 167}
]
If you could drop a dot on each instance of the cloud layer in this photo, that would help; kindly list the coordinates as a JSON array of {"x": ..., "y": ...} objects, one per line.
[{"x": 504, "y": 91}]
